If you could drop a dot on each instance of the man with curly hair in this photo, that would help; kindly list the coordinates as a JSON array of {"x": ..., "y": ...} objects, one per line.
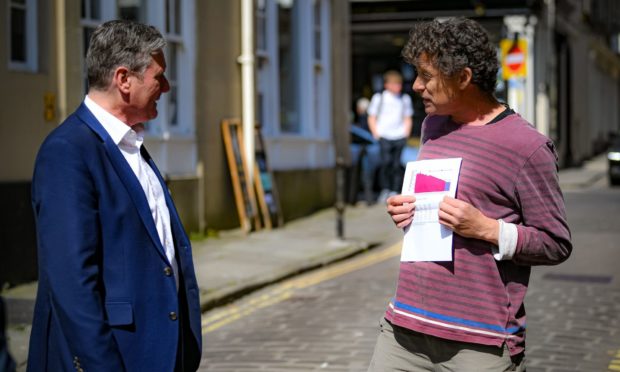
[{"x": 508, "y": 215}]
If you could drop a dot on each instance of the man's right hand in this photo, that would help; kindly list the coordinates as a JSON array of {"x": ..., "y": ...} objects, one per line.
[{"x": 401, "y": 209}]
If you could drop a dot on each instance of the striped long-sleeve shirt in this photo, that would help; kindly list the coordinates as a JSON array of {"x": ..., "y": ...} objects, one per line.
[{"x": 508, "y": 172}]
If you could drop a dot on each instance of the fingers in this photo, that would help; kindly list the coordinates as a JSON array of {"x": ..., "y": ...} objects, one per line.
[
  {"x": 451, "y": 212},
  {"x": 455, "y": 203},
  {"x": 401, "y": 208},
  {"x": 400, "y": 199},
  {"x": 448, "y": 211},
  {"x": 400, "y": 204},
  {"x": 447, "y": 220},
  {"x": 403, "y": 215},
  {"x": 404, "y": 223}
]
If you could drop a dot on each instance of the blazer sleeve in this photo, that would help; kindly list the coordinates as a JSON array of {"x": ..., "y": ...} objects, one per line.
[{"x": 65, "y": 202}]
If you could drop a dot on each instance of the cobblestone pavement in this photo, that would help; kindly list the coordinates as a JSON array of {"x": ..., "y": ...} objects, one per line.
[
  {"x": 574, "y": 309},
  {"x": 332, "y": 326},
  {"x": 328, "y": 326},
  {"x": 572, "y": 325},
  {"x": 328, "y": 320}
]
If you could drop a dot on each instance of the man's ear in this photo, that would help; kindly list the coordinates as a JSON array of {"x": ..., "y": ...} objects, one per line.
[
  {"x": 465, "y": 77},
  {"x": 121, "y": 79}
]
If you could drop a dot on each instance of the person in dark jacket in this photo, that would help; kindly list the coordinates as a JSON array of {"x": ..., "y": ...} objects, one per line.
[{"x": 117, "y": 289}]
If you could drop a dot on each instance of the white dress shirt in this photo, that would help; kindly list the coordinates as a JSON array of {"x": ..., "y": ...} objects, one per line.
[{"x": 129, "y": 142}]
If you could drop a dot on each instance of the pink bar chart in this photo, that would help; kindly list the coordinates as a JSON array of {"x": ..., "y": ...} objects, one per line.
[{"x": 426, "y": 183}]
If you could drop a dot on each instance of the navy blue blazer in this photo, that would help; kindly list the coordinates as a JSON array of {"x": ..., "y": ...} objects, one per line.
[{"x": 106, "y": 299}]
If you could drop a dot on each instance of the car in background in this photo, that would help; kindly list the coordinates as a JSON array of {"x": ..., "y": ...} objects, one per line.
[{"x": 613, "y": 159}]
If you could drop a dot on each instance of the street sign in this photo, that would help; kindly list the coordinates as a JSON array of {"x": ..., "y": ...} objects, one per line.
[{"x": 514, "y": 56}]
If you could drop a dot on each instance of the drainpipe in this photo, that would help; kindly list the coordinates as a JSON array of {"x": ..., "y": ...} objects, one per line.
[
  {"x": 61, "y": 52},
  {"x": 246, "y": 59}
]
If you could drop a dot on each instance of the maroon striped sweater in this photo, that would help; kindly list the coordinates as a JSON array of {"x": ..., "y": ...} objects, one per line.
[{"x": 509, "y": 171}]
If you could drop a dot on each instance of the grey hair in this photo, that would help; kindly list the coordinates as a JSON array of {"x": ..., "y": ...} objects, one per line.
[{"x": 120, "y": 43}]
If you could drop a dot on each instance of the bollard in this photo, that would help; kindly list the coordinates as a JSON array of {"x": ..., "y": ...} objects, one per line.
[{"x": 340, "y": 168}]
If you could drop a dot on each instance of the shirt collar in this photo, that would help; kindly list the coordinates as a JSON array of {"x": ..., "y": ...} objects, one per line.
[{"x": 118, "y": 130}]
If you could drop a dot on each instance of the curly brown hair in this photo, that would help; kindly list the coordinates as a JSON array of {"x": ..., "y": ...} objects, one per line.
[{"x": 453, "y": 44}]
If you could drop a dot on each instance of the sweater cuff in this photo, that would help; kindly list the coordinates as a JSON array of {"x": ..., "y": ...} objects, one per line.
[{"x": 508, "y": 237}]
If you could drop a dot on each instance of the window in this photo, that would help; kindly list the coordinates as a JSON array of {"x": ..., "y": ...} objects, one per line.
[
  {"x": 261, "y": 27},
  {"x": 167, "y": 16},
  {"x": 287, "y": 57},
  {"x": 175, "y": 43},
  {"x": 322, "y": 87},
  {"x": 267, "y": 66},
  {"x": 93, "y": 13},
  {"x": 133, "y": 10},
  {"x": 171, "y": 134},
  {"x": 176, "y": 108},
  {"x": 293, "y": 74},
  {"x": 296, "y": 46},
  {"x": 23, "y": 35}
]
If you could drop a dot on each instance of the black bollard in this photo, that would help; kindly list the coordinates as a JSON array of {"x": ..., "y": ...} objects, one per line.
[{"x": 340, "y": 204}]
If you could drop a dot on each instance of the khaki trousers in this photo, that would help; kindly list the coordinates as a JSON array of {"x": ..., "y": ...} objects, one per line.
[{"x": 403, "y": 350}]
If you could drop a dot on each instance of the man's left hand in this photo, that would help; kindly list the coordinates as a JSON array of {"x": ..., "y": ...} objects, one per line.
[{"x": 467, "y": 221}]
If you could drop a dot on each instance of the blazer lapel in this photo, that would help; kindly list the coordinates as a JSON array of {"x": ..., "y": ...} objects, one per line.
[{"x": 126, "y": 175}]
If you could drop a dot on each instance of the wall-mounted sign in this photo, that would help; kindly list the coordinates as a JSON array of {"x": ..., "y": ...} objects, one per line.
[{"x": 514, "y": 58}]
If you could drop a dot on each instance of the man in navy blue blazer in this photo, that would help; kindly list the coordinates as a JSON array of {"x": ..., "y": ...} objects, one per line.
[{"x": 117, "y": 289}]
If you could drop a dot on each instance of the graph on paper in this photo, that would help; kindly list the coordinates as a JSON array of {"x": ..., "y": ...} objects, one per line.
[{"x": 429, "y": 181}]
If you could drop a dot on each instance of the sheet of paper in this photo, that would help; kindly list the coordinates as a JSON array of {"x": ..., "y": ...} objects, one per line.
[{"x": 429, "y": 180}]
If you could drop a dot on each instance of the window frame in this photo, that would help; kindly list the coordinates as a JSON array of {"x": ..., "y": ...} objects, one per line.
[
  {"x": 31, "y": 63},
  {"x": 160, "y": 128},
  {"x": 107, "y": 11},
  {"x": 312, "y": 146},
  {"x": 173, "y": 147},
  {"x": 268, "y": 88}
]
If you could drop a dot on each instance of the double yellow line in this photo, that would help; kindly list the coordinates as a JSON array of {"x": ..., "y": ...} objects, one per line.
[{"x": 281, "y": 292}]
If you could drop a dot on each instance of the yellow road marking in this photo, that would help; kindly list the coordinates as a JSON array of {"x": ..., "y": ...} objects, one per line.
[
  {"x": 285, "y": 290},
  {"x": 614, "y": 365}
]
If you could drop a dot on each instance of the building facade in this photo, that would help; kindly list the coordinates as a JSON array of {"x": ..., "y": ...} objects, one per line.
[
  {"x": 299, "y": 92},
  {"x": 571, "y": 88}
]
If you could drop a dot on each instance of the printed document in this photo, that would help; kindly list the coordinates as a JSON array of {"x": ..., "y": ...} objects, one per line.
[{"x": 429, "y": 180}]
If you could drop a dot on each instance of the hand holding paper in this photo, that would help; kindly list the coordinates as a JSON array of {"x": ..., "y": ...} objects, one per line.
[
  {"x": 401, "y": 208},
  {"x": 466, "y": 220},
  {"x": 426, "y": 239}
]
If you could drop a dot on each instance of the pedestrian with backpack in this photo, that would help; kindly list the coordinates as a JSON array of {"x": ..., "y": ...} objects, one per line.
[{"x": 389, "y": 121}]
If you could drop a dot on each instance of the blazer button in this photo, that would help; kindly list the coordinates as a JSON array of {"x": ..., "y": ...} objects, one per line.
[
  {"x": 172, "y": 315},
  {"x": 167, "y": 271}
]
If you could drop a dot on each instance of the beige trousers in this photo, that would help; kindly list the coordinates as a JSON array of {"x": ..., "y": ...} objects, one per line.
[{"x": 403, "y": 350}]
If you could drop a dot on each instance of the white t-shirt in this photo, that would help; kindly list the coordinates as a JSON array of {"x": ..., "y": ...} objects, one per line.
[{"x": 390, "y": 110}]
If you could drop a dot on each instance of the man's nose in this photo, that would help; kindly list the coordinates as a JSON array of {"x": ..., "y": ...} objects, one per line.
[
  {"x": 165, "y": 86},
  {"x": 418, "y": 86}
]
